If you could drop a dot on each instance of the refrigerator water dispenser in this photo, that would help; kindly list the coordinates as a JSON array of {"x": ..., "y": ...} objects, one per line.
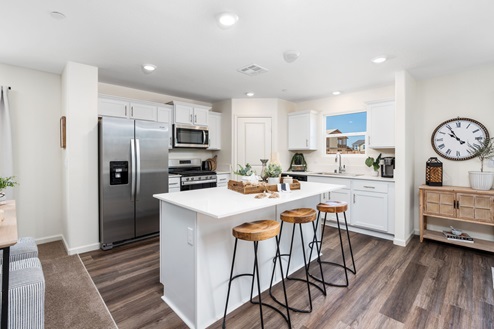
[{"x": 119, "y": 172}]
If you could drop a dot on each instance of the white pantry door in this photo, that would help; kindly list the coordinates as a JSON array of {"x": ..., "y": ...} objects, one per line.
[{"x": 253, "y": 142}]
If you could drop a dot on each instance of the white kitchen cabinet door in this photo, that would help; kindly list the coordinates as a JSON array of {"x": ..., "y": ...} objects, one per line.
[
  {"x": 381, "y": 125},
  {"x": 143, "y": 112},
  {"x": 222, "y": 180},
  {"x": 337, "y": 195},
  {"x": 184, "y": 114},
  {"x": 113, "y": 107},
  {"x": 165, "y": 116},
  {"x": 173, "y": 184},
  {"x": 370, "y": 210},
  {"x": 214, "y": 129},
  {"x": 201, "y": 116},
  {"x": 302, "y": 131}
]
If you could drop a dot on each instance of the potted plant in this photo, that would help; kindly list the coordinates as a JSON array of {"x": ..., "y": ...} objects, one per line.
[
  {"x": 245, "y": 172},
  {"x": 6, "y": 182},
  {"x": 482, "y": 180},
  {"x": 273, "y": 172},
  {"x": 370, "y": 162}
]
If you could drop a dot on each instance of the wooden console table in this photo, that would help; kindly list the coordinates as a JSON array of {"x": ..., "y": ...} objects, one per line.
[
  {"x": 8, "y": 237},
  {"x": 458, "y": 204}
]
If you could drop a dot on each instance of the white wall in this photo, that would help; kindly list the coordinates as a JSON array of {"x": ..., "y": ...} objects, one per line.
[
  {"x": 80, "y": 170},
  {"x": 466, "y": 94},
  {"x": 35, "y": 113},
  {"x": 344, "y": 103}
]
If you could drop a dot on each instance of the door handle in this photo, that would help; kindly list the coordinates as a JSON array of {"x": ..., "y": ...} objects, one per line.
[
  {"x": 354, "y": 198},
  {"x": 138, "y": 169},
  {"x": 125, "y": 110},
  {"x": 367, "y": 186},
  {"x": 133, "y": 171},
  {"x": 132, "y": 111},
  {"x": 191, "y": 119}
]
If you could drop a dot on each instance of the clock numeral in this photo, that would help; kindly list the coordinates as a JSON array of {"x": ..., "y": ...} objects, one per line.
[
  {"x": 475, "y": 130},
  {"x": 439, "y": 139},
  {"x": 458, "y": 124},
  {"x": 448, "y": 152},
  {"x": 469, "y": 152},
  {"x": 476, "y": 145},
  {"x": 479, "y": 138},
  {"x": 442, "y": 133},
  {"x": 441, "y": 146},
  {"x": 448, "y": 126},
  {"x": 458, "y": 153},
  {"x": 468, "y": 125}
]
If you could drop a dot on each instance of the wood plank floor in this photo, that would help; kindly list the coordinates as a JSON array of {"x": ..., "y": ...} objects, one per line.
[{"x": 425, "y": 285}]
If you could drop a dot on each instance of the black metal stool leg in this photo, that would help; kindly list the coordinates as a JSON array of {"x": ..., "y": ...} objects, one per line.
[
  {"x": 354, "y": 271},
  {"x": 319, "y": 244},
  {"x": 256, "y": 273},
  {"x": 229, "y": 284}
]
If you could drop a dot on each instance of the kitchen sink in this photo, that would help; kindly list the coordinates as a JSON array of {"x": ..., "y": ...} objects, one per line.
[{"x": 338, "y": 174}]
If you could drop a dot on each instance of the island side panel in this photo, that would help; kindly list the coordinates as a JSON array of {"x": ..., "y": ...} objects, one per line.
[
  {"x": 178, "y": 260},
  {"x": 215, "y": 245}
]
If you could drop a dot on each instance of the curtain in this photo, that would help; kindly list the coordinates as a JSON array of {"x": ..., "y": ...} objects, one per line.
[{"x": 6, "y": 158}]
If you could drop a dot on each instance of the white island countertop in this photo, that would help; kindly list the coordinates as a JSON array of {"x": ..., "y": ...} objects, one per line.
[{"x": 220, "y": 202}]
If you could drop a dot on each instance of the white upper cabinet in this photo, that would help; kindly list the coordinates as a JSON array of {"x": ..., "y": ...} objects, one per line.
[
  {"x": 214, "y": 131},
  {"x": 165, "y": 116},
  {"x": 126, "y": 109},
  {"x": 381, "y": 125},
  {"x": 190, "y": 114},
  {"x": 302, "y": 130}
]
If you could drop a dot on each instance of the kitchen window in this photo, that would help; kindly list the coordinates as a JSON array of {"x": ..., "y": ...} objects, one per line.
[{"x": 346, "y": 133}]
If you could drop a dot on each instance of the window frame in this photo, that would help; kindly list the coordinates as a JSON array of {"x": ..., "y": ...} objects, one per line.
[{"x": 325, "y": 135}]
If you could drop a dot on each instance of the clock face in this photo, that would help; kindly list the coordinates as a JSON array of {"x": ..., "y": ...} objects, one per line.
[{"x": 451, "y": 139}]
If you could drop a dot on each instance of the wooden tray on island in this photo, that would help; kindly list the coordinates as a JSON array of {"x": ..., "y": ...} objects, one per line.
[{"x": 249, "y": 189}]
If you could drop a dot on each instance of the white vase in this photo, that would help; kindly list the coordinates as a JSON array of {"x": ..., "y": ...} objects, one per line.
[
  {"x": 273, "y": 180},
  {"x": 482, "y": 181}
]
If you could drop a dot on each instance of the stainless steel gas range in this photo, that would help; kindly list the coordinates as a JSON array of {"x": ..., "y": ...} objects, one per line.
[{"x": 192, "y": 176}]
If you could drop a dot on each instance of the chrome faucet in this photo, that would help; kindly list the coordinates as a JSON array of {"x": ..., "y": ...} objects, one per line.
[{"x": 338, "y": 159}]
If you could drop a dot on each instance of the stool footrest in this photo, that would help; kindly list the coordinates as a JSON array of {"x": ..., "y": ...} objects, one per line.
[{"x": 330, "y": 283}]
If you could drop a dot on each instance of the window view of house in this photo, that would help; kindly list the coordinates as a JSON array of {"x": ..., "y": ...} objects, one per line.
[{"x": 345, "y": 133}]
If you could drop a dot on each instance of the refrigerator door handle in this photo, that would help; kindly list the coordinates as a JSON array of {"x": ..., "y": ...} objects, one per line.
[
  {"x": 138, "y": 169},
  {"x": 133, "y": 164}
]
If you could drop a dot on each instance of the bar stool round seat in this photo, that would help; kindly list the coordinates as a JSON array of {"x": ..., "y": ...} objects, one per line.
[
  {"x": 256, "y": 231},
  {"x": 299, "y": 216},
  {"x": 334, "y": 207}
]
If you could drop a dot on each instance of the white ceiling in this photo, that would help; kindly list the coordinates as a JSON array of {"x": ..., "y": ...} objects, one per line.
[{"x": 196, "y": 59}]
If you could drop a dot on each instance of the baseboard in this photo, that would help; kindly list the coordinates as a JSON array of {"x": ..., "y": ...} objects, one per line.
[
  {"x": 376, "y": 234},
  {"x": 403, "y": 243},
  {"x": 49, "y": 239},
  {"x": 81, "y": 249}
]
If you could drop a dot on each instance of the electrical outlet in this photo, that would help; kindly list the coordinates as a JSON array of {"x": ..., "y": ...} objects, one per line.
[{"x": 190, "y": 236}]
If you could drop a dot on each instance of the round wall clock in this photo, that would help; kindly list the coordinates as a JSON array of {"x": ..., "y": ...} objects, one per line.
[{"x": 451, "y": 139}]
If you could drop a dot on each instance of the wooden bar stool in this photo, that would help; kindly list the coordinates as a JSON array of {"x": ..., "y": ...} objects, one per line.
[
  {"x": 299, "y": 216},
  {"x": 255, "y": 232},
  {"x": 335, "y": 207}
]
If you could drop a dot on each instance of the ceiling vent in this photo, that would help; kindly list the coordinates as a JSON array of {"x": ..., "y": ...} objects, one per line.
[{"x": 252, "y": 70}]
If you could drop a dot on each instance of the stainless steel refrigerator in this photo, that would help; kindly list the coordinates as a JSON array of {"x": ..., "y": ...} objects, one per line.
[{"x": 133, "y": 165}]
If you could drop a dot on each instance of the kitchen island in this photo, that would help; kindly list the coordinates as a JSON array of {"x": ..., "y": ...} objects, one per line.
[{"x": 196, "y": 246}]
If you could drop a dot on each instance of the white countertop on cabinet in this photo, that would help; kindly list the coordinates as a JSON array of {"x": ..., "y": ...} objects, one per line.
[{"x": 221, "y": 202}]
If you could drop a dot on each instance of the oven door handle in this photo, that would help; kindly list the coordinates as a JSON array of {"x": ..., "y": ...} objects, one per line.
[{"x": 199, "y": 182}]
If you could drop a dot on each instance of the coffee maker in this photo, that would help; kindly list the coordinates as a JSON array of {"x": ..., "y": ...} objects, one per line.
[{"x": 388, "y": 167}]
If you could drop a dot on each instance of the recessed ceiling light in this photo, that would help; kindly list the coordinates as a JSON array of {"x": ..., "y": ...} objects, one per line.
[
  {"x": 57, "y": 15},
  {"x": 379, "y": 59},
  {"x": 249, "y": 93},
  {"x": 291, "y": 56},
  {"x": 227, "y": 19},
  {"x": 148, "y": 68},
  {"x": 336, "y": 92}
]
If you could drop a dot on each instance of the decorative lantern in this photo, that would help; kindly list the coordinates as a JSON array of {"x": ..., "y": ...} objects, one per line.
[{"x": 434, "y": 172}]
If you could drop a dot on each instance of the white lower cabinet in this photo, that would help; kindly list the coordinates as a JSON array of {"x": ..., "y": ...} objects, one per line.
[
  {"x": 222, "y": 180},
  {"x": 173, "y": 184},
  {"x": 370, "y": 203}
]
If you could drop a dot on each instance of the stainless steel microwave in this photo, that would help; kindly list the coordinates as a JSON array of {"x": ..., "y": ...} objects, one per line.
[{"x": 190, "y": 136}]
